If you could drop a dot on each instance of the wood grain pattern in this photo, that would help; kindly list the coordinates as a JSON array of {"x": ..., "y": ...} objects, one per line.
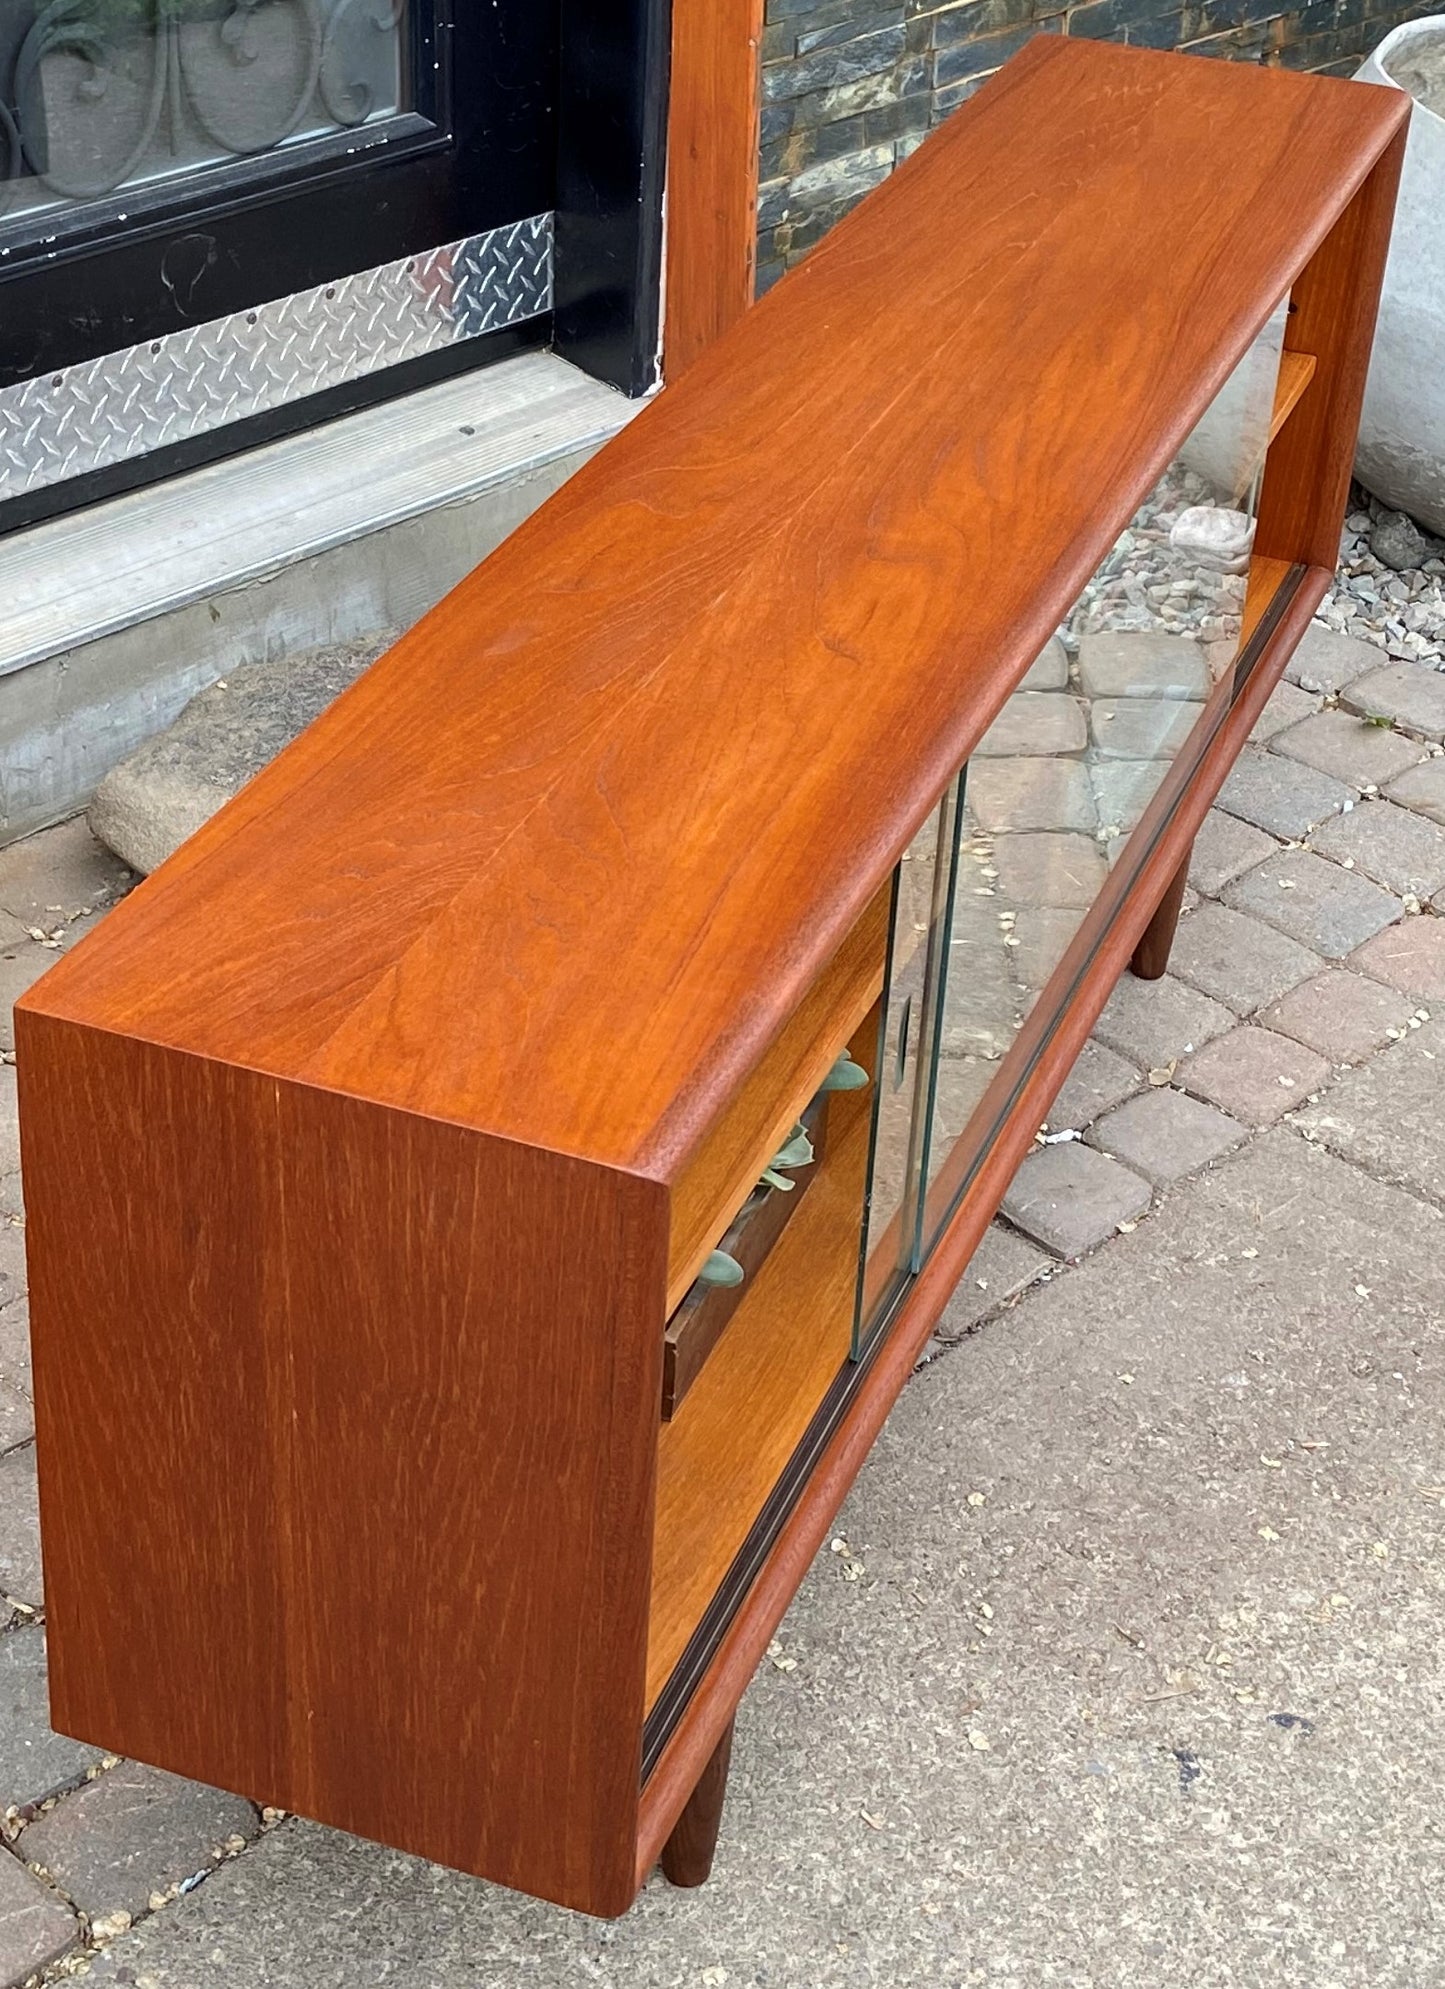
[
  {"x": 360, "y": 1139},
  {"x": 1296, "y": 370},
  {"x": 346, "y": 1438},
  {"x": 755, "y": 1120},
  {"x": 696, "y": 706},
  {"x": 1336, "y": 301},
  {"x": 712, "y": 173},
  {"x": 722, "y": 1454}
]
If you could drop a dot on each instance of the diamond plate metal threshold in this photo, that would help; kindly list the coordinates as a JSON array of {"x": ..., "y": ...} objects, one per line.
[{"x": 76, "y": 579}]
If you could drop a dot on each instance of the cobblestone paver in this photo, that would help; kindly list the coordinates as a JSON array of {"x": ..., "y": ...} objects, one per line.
[
  {"x": 1342, "y": 1015},
  {"x": 1350, "y": 749},
  {"x": 1140, "y": 728},
  {"x": 1396, "y": 847},
  {"x": 1327, "y": 908},
  {"x": 1224, "y": 849},
  {"x": 1034, "y": 722},
  {"x": 1141, "y": 665},
  {"x": 1165, "y": 1134},
  {"x": 1423, "y": 789},
  {"x": 1254, "y": 1074},
  {"x": 1063, "y": 871},
  {"x": 1327, "y": 660},
  {"x": 1408, "y": 694},
  {"x": 1299, "y": 996},
  {"x": 1287, "y": 706},
  {"x": 36, "y": 1763},
  {"x": 1122, "y": 790},
  {"x": 1035, "y": 793},
  {"x": 36, "y": 1925},
  {"x": 132, "y": 1833},
  {"x": 1238, "y": 961},
  {"x": 1040, "y": 935},
  {"x": 1049, "y": 670},
  {"x": 1154, "y": 1023},
  {"x": 1281, "y": 796},
  {"x": 20, "y": 1580},
  {"x": 1099, "y": 1080},
  {"x": 1409, "y": 956},
  {"x": 1070, "y": 1198}
]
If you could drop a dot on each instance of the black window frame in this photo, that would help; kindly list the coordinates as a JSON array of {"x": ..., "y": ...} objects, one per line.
[{"x": 602, "y": 171}]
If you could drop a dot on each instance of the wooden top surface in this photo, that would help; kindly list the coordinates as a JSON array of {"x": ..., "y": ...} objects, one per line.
[{"x": 560, "y": 864}]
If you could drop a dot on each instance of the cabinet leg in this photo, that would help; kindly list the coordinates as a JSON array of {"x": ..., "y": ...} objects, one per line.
[
  {"x": 687, "y": 1855},
  {"x": 1151, "y": 955}
]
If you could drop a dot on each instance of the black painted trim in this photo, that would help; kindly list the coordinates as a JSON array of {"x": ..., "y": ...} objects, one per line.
[
  {"x": 478, "y": 154},
  {"x": 605, "y": 174},
  {"x": 616, "y": 60}
]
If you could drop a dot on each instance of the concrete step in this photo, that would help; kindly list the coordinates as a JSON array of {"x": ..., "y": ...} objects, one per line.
[
  {"x": 115, "y": 617},
  {"x": 146, "y": 807}
]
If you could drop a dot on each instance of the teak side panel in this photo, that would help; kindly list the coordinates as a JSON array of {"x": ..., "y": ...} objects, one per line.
[
  {"x": 611, "y": 806},
  {"x": 1336, "y": 300},
  {"x": 712, "y": 173},
  {"x": 389, "y": 1403}
]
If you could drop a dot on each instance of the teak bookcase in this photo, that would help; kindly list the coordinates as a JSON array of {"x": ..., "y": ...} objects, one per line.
[{"x": 372, "y": 1144}]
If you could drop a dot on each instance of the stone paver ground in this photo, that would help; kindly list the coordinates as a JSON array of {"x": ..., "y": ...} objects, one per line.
[{"x": 1139, "y": 1681}]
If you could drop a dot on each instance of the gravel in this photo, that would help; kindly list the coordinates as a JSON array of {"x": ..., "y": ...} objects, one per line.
[
  {"x": 1389, "y": 589},
  {"x": 1398, "y": 542},
  {"x": 1147, "y": 582},
  {"x": 1400, "y": 610}
]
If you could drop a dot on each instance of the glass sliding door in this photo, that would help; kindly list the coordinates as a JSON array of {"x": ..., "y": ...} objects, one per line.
[
  {"x": 998, "y": 905},
  {"x": 907, "y": 1062}
]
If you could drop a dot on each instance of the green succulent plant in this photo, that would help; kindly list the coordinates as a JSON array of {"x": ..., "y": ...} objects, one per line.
[
  {"x": 796, "y": 1151},
  {"x": 845, "y": 1076},
  {"x": 721, "y": 1270}
]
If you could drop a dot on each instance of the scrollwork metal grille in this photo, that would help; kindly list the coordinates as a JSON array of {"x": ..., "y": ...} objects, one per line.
[{"x": 100, "y": 95}]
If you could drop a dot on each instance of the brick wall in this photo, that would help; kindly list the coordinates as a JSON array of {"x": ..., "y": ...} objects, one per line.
[{"x": 851, "y": 86}]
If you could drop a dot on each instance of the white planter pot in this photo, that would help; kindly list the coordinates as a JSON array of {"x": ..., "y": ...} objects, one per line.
[{"x": 1402, "y": 432}]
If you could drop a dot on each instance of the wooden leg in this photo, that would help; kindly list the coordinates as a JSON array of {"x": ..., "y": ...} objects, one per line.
[
  {"x": 1151, "y": 955},
  {"x": 687, "y": 1854}
]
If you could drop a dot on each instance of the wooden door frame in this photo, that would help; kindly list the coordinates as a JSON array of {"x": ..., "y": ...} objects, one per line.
[{"x": 712, "y": 172}]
